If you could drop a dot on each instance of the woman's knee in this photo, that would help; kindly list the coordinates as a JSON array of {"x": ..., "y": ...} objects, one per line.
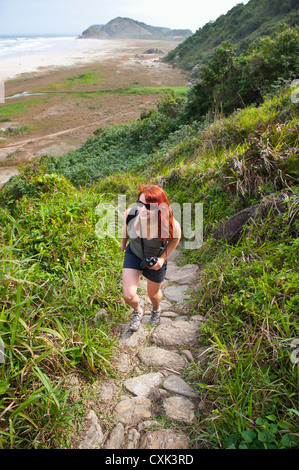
[{"x": 130, "y": 296}]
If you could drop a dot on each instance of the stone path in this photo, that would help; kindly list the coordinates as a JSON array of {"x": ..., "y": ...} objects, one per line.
[{"x": 149, "y": 382}]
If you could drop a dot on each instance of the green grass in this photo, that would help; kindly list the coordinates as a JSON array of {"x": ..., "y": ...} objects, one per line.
[
  {"x": 19, "y": 107},
  {"x": 179, "y": 91}
]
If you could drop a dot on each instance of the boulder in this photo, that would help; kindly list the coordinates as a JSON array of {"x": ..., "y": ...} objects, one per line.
[{"x": 232, "y": 229}]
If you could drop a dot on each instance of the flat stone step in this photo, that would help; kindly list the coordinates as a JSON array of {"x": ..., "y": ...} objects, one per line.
[
  {"x": 153, "y": 356},
  {"x": 187, "y": 274},
  {"x": 130, "y": 338},
  {"x": 144, "y": 384},
  {"x": 179, "y": 409},
  {"x": 176, "y": 333},
  {"x": 176, "y": 293},
  {"x": 133, "y": 410}
]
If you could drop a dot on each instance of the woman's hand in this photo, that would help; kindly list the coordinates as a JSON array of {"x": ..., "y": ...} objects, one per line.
[
  {"x": 158, "y": 264},
  {"x": 123, "y": 245}
]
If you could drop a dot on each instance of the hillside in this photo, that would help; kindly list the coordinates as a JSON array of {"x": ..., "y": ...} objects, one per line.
[
  {"x": 240, "y": 26},
  {"x": 128, "y": 28},
  {"x": 63, "y": 310}
]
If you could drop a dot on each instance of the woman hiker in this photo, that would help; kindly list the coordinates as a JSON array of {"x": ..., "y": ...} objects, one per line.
[{"x": 154, "y": 234}]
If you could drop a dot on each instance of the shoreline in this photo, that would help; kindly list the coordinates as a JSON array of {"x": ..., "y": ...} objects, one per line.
[
  {"x": 63, "y": 120},
  {"x": 81, "y": 52}
]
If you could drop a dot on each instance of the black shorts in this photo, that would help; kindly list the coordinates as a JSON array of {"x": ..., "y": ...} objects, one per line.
[{"x": 132, "y": 261}]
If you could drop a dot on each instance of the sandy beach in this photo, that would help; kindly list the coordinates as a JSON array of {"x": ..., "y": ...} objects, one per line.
[
  {"x": 78, "y": 52},
  {"x": 69, "y": 95}
]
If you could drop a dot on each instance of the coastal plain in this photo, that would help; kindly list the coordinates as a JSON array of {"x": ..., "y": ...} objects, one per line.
[{"x": 68, "y": 98}]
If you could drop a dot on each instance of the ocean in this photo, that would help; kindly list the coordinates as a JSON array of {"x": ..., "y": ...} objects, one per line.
[{"x": 15, "y": 46}]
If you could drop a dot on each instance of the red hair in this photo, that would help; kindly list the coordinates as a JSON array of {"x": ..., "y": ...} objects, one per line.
[{"x": 155, "y": 194}]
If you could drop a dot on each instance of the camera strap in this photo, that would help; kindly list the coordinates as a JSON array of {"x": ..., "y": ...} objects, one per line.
[
  {"x": 141, "y": 238},
  {"x": 162, "y": 248}
]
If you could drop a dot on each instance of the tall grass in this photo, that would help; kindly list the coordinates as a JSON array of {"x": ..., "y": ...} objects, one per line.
[{"x": 50, "y": 299}]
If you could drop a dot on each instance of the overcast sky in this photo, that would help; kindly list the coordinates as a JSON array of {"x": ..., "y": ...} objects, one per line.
[{"x": 19, "y": 17}]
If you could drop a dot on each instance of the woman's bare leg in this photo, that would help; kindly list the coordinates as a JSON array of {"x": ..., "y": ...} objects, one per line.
[
  {"x": 130, "y": 281},
  {"x": 154, "y": 293}
]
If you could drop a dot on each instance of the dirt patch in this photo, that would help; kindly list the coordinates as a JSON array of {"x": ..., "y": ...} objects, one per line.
[{"x": 68, "y": 113}]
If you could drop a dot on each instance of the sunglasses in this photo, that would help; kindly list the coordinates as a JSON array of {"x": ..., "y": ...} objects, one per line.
[{"x": 149, "y": 207}]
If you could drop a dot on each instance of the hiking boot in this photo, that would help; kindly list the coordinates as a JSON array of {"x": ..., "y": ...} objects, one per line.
[
  {"x": 155, "y": 317},
  {"x": 135, "y": 321}
]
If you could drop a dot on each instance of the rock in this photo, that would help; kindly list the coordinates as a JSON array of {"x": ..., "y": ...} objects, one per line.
[
  {"x": 232, "y": 229},
  {"x": 107, "y": 392},
  {"x": 133, "y": 410},
  {"x": 182, "y": 318},
  {"x": 198, "y": 319},
  {"x": 175, "y": 293},
  {"x": 183, "y": 275},
  {"x": 93, "y": 434},
  {"x": 159, "y": 357},
  {"x": 164, "y": 439},
  {"x": 169, "y": 314},
  {"x": 123, "y": 363},
  {"x": 132, "y": 339},
  {"x": 179, "y": 409},
  {"x": 175, "y": 333},
  {"x": 188, "y": 355},
  {"x": 143, "y": 384},
  {"x": 175, "y": 384},
  {"x": 116, "y": 437},
  {"x": 165, "y": 305},
  {"x": 154, "y": 51},
  {"x": 159, "y": 394},
  {"x": 133, "y": 439},
  {"x": 194, "y": 70}
]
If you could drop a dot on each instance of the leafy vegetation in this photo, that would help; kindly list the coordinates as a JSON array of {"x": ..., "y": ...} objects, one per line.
[
  {"x": 61, "y": 283},
  {"x": 241, "y": 26},
  {"x": 228, "y": 82}
]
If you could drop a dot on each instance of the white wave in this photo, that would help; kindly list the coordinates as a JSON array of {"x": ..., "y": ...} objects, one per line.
[{"x": 10, "y": 47}]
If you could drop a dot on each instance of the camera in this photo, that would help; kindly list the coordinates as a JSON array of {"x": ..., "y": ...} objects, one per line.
[{"x": 148, "y": 262}]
